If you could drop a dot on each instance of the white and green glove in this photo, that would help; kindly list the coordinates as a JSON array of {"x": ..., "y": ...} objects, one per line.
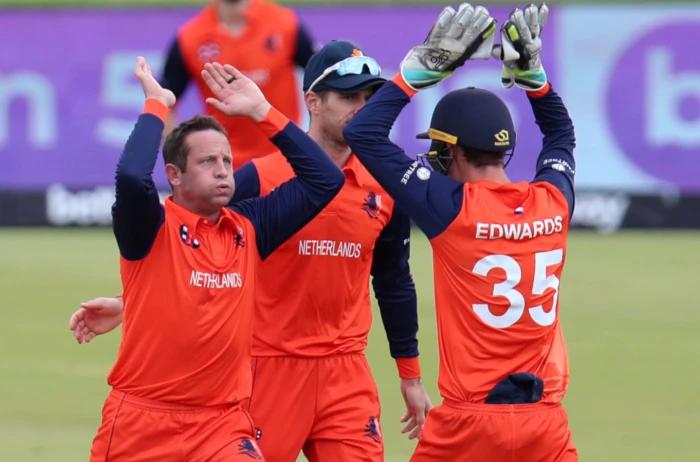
[
  {"x": 520, "y": 48},
  {"x": 456, "y": 36}
]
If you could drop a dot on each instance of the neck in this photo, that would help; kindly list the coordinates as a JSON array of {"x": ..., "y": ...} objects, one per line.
[
  {"x": 230, "y": 17},
  {"x": 466, "y": 172},
  {"x": 490, "y": 173},
  {"x": 338, "y": 151}
]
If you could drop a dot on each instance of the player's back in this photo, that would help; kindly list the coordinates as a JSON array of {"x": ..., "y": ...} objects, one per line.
[{"x": 497, "y": 269}]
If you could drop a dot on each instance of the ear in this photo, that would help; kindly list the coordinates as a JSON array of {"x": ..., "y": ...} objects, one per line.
[
  {"x": 313, "y": 102},
  {"x": 174, "y": 175},
  {"x": 456, "y": 151}
]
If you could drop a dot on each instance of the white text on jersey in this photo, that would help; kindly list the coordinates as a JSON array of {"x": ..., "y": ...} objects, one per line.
[
  {"x": 216, "y": 280},
  {"x": 519, "y": 231},
  {"x": 330, "y": 248}
]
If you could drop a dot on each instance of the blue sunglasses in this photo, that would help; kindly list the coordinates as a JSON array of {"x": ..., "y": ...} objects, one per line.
[{"x": 352, "y": 65}]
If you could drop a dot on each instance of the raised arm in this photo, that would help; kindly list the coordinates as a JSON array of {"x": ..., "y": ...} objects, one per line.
[
  {"x": 283, "y": 212},
  {"x": 520, "y": 51},
  {"x": 137, "y": 214},
  {"x": 424, "y": 194},
  {"x": 288, "y": 208},
  {"x": 247, "y": 183},
  {"x": 432, "y": 199},
  {"x": 556, "y": 163}
]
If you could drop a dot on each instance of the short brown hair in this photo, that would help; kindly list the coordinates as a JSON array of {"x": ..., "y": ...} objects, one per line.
[
  {"x": 175, "y": 149},
  {"x": 480, "y": 158}
]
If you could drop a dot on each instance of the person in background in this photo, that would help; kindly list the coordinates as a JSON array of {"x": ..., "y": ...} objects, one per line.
[{"x": 265, "y": 41}]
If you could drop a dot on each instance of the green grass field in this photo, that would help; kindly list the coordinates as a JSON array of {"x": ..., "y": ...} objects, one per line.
[{"x": 631, "y": 322}]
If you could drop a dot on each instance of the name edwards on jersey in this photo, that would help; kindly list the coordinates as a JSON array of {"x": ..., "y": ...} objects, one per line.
[{"x": 519, "y": 231}]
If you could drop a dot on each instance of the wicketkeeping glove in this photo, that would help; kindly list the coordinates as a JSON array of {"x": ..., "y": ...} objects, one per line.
[
  {"x": 456, "y": 36},
  {"x": 520, "y": 48}
]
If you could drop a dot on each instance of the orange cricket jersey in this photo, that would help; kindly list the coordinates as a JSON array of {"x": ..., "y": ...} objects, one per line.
[
  {"x": 497, "y": 269},
  {"x": 312, "y": 297},
  {"x": 264, "y": 52},
  {"x": 188, "y": 309}
]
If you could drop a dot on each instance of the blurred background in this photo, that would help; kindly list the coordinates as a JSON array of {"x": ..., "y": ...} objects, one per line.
[{"x": 629, "y": 73}]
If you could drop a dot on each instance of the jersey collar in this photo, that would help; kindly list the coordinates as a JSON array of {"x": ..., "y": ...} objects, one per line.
[
  {"x": 354, "y": 169},
  {"x": 192, "y": 220}
]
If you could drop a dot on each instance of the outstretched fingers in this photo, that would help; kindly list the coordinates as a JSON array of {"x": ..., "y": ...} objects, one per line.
[
  {"x": 441, "y": 26},
  {"x": 233, "y": 72},
  {"x": 482, "y": 19},
  {"x": 213, "y": 77},
  {"x": 461, "y": 20},
  {"x": 543, "y": 15},
  {"x": 518, "y": 19}
]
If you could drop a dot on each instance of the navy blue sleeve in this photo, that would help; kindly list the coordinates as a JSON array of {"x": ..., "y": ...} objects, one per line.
[
  {"x": 280, "y": 214},
  {"x": 304, "y": 48},
  {"x": 247, "y": 183},
  {"x": 137, "y": 214},
  {"x": 394, "y": 288},
  {"x": 555, "y": 163},
  {"x": 433, "y": 200},
  {"x": 175, "y": 77}
]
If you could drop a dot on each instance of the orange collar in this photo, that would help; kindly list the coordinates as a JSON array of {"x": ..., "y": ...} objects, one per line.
[
  {"x": 193, "y": 220},
  {"x": 354, "y": 168}
]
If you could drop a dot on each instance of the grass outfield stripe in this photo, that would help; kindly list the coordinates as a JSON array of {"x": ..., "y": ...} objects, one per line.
[{"x": 627, "y": 305}]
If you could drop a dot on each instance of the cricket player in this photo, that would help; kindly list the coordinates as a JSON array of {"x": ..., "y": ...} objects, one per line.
[
  {"x": 311, "y": 324},
  {"x": 262, "y": 39},
  {"x": 188, "y": 272},
  {"x": 498, "y": 247}
]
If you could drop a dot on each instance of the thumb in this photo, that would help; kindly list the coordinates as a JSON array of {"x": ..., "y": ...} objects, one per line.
[
  {"x": 139, "y": 70},
  {"x": 94, "y": 304},
  {"x": 497, "y": 51}
]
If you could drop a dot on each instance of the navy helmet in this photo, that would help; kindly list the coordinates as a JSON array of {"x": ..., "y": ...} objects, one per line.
[
  {"x": 341, "y": 66},
  {"x": 472, "y": 118}
]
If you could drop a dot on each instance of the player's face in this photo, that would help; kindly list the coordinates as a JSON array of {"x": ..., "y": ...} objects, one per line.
[
  {"x": 336, "y": 110},
  {"x": 207, "y": 183}
]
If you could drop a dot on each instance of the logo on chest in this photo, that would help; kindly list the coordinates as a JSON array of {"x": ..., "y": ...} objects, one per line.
[
  {"x": 273, "y": 43},
  {"x": 372, "y": 205},
  {"x": 239, "y": 238},
  {"x": 208, "y": 52},
  {"x": 187, "y": 238}
]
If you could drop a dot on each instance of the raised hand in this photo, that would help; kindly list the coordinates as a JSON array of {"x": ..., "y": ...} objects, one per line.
[
  {"x": 520, "y": 48},
  {"x": 151, "y": 87},
  {"x": 456, "y": 36},
  {"x": 234, "y": 93},
  {"x": 95, "y": 317}
]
